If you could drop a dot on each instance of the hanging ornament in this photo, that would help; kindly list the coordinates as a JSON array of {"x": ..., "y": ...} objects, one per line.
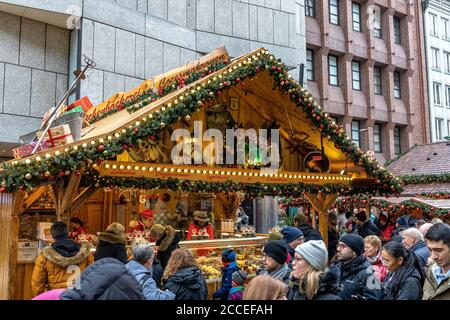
[
  {"x": 101, "y": 148},
  {"x": 47, "y": 174},
  {"x": 3, "y": 189},
  {"x": 3, "y": 183},
  {"x": 162, "y": 124}
]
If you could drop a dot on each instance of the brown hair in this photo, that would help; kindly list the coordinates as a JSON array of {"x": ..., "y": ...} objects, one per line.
[
  {"x": 374, "y": 241},
  {"x": 180, "y": 258},
  {"x": 300, "y": 218},
  {"x": 265, "y": 287}
]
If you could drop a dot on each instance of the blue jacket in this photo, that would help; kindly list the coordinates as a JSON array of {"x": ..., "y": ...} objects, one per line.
[
  {"x": 421, "y": 251},
  {"x": 227, "y": 275},
  {"x": 148, "y": 284},
  {"x": 105, "y": 279}
]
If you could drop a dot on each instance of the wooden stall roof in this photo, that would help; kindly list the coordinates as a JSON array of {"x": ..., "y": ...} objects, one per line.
[{"x": 366, "y": 170}]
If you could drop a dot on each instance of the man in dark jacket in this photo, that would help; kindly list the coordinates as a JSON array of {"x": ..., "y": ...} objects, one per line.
[
  {"x": 301, "y": 222},
  {"x": 354, "y": 271},
  {"x": 112, "y": 243},
  {"x": 366, "y": 227},
  {"x": 157, "y": 272},
  {"x": 400, "y": 226},
  {"x": 167, "y": 240},
  {"x": 187, "y": 284},
  {"x": 106, "y": 279},
  {"x": 333, "y": 235},
  {"x": 230, "y": 266},
  {"x": 412, "y": 239}
]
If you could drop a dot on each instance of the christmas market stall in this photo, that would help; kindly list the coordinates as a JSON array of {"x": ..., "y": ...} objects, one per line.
[{"x": 192, "y": 144}]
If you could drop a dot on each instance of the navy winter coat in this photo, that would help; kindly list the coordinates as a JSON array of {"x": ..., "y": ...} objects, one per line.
[
  {"x": 187, "y": 284},
  {"x": 227, "y": 273}
]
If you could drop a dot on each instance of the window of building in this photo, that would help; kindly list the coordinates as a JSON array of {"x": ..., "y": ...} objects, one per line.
[
  {"x": 448, "y": 128},
  {"x": 355, "y": 133},
  {"x": 397, "y": 85},
  {"x": 309, "y": 64},
  {"x": 356, "y": 75},
  {"x": 333, "y": 70},
  {"x": 435, "y": 58},
  {"x": 437, "y": 93},
  {"x": 377, "y": 23},
  {"x": 377, "y": 80},
  {"x": 397, "y": 141},
  {"x": 439, "y": 123},
  {"x": 445, "y": 29},
  {"x": 310, "y": 8},
  {"x": 447, "y": 96},
  {"x": 397, "y": 31},
  {"x": 334, "y": 11},
  {"x": 356, "y": 15},
  {"x": 377, "y": 137},
  {"x": 433, "y": 25},
  {"x": 447, "y": 61}
]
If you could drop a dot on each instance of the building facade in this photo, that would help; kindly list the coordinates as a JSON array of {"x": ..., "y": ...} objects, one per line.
[
  {"x": 43, "y": 42},
  {"x": 366, "y": 64},
  {"x": 437, "y": 44}
]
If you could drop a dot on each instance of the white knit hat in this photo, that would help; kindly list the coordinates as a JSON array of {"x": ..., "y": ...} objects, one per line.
[{"x": 315, "y": 252}]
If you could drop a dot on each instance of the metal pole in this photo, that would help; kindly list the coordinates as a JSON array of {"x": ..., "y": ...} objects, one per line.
[{"x": 48, "y": 123}]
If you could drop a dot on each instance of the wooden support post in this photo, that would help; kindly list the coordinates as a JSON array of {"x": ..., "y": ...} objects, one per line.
[
  {"x": 10, "y": 206},
  {"x": 64, "y": 195},
  {"x": 32, "y": 197},
  {"x": 82, "y": 197},
  {"x": 321, "y": 203}
]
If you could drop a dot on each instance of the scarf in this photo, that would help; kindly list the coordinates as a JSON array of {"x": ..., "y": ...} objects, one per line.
[
  {"x": 280, "y": 273},
  {"x": 374, "y": 259}
]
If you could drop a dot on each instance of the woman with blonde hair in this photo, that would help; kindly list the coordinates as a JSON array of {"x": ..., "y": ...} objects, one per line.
[
  {"x": 265, "y": 287},
  {"x": 372, "y": 251},
  {"x": 312, "y": 279},
  {"x": 183, "y": 277}
]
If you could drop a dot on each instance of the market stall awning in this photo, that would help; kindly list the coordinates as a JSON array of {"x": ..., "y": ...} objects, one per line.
[{"x": 268, "y": 94}]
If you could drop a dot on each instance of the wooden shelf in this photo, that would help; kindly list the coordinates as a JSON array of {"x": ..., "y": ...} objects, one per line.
[{"x": 49, "y": 210}]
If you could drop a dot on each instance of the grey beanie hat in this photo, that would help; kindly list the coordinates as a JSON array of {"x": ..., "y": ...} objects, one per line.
[{"x": 315, "y": 252}]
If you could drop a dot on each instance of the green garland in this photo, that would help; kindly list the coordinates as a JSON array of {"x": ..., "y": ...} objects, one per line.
[
  {"x": 426, "y": 178},
  {"x": 21, "y": 175},
  {"x": 151, "y": 95},
  {"x": 391, "y": 208}
]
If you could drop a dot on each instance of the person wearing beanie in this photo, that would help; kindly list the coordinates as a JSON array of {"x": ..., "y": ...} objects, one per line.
[
  {"x": 229, "y": 267},
  {"x": 401, "y": 225},
  {"x": 237, "y": 281},
  {"x": 301, "y": 222},
  {"x": 366, "y": 227},
  {"x": 275, "y": 236},
  {"x": 167, "y": 240},
  {"x": 354, "y": 271},
  {"x": 311, "y": 278},
  {"x": 51, "y": 270},
  {"x": 275, "y": 254},
  {"x": 293, "y": 237},
  {"x": 112, "y": 243}
]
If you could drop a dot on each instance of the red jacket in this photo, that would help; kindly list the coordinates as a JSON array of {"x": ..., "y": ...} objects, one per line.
[
  {"x": 386, "y": 234},
  {"x": 193, "y": 227},
  {"x": 138, "y": 226},
  {"x": 76, "y": 232}
]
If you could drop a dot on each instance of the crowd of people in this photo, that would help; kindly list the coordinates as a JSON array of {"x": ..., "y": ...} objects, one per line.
[{"x": 366, "y": 258}]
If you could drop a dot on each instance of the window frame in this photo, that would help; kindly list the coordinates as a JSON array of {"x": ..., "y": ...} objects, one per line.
[
  {"x": 435, "y": 61},
  {"x": 447, "y": 62},
  {"x": 357, "y": 14},
  {"x": 397, "y": 88},
  {"x": 356, "y": 141},
  {"x": 310, "y": 61},
  {"x": 434, "y": 24},
  {"x": 357, "y": 81},
  {"x": 397, "y": 31},
  {"x": 377, "y": 32},
  {"x": 445, "y": 29},
  {"x": 447, "y": 95},
  {"x": 330, "y": 76},
  {"x": 397, "y": 141},
  {"x": 439, "y": 129},
  {"x": 437, "y": 98},
  {"x": 377, "y": 145},
  {"x": 333, "y": 15},
  {"x": 380, "y": 85},
  {"x": 310, "y": 7}
]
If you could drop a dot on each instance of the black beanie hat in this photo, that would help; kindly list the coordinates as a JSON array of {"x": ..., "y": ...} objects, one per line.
[
  {"x": 277, "y": 249},
  {"x": 354, "y": 241}
]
